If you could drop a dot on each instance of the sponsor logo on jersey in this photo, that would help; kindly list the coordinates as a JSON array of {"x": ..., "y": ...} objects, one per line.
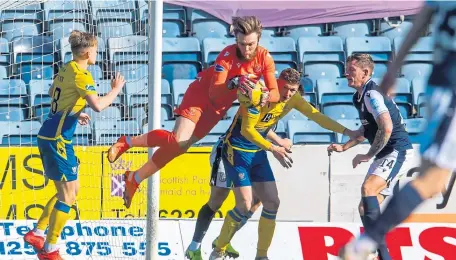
[
  {"x": 90, "y": 87},
  {"x": 219, "y": 68},
  {"x": 374, "y": 103},
  {"x": 253, "y": 110},
  {"x": 226, "y": 54}
]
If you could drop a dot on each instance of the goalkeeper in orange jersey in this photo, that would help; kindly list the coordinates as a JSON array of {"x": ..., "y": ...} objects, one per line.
[
  {"x": 244, "y": 156},
  {"x": 72, "y": 87},
  {"x": 205, "y": 102}
]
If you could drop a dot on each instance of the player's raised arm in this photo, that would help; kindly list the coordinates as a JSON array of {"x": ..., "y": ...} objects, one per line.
[
  {"x": 219, "y": 81},
  {"x": 324, "y": 121},
  {"x": 99, "y": 103},
  {"x": 419, "y": 26}
]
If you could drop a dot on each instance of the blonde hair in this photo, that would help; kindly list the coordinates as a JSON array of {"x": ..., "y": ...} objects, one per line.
[
  {"x": 80, "y": 41},
  {"x": 246, "y": 25},
  {"x": 363, "y": 60}
]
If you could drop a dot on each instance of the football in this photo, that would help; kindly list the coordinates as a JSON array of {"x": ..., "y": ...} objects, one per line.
[{"x": 256, "y": 95}]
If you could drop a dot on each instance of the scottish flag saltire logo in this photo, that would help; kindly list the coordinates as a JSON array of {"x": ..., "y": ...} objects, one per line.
[{"x": 117, "y": 185}]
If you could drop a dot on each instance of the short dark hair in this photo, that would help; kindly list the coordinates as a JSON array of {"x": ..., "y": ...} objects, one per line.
[
  {"x": 364, "y": 60},
  {"x": 292, "y": 76}
]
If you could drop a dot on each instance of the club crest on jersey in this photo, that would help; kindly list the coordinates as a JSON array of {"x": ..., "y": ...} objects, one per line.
[
  {"x": 257, "y": 69},
  {"x": 238, "y": 65},
  {"x": 241, "y": 176},
  {"x": 226, "y": 54},
  {"x": 219, "y": 68},
  {"x": 90, "y": 87}
]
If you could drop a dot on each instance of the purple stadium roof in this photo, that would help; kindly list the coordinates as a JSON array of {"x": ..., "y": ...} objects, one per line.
[{"x": 286, "y": 13}]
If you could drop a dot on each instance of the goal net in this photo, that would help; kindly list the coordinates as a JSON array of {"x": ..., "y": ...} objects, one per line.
[{"x": 33, "y": 45}]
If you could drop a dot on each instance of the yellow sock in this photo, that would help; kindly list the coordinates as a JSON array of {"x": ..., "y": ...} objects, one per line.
[
  {"x": 266, "y": 228},
  {"x": 43, "y": 222},
  {"x": 59, "y": 216},
  {"x": 230, "y": 226}
]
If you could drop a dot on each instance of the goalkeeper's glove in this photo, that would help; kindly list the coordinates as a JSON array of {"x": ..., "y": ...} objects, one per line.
[{"x": 242, "y": 82}]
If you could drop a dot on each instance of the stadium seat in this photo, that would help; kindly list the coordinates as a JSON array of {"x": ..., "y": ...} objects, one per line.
[
  {"x": 63, "y": 28},
  {"x": 293, "y": 115},
  {"x": 170, "y": 11},
  {"x": 413, "y": 70},
  {"x": 39, "y": 89},
  {"x": 340, "y": 110},
  {"x": 107, "y": 114},
  {"x": 19, "y": 133},
  {"x": 20, "y": 28},
  {"x": 268, "y": 32},
  {"x": 181, "y": 58},
  {"x": 63, "y": 10},
  {"x": 309, "y": 132},
  {"x": 179, "y": 88},
  {"x": 205, "y": 25},
  {"x": 415, "y": 127},
  {"x": 12, "y": 112},
  {"x": 33, "y": 58},
  {"x": 280, "y": 129},
  {"x": 83, "y": 135},
  {"x": 219, "y": 129},
  {"x": 418, "y": 91},
  {"x": 329, "y": 48},
  {"x": 29, "y": 11},
  {"x": 41, "y": 112},
  {"x": 283, "y": 51},
  {"x": 4, "y": 53},
  {"x": 352, "y": 124},
  {"x": 108, "y": 131},
  {"x": 97, "y": 72},
  {"x": 422, "y": 51},
  {"x": 64, "y": 49},
  {"x": 132, "y": 71},
  {"x": 321, "y": 69},
  {"x": 12, "y": 87},
  {"x": 352, "y": 29},
  {"x": 296, "y": 32},
  {"x": 402, "y": 92},
  {"x": 138, "y": 92},
  {"x": 212, "y": 47},
  {"x": 114, "y": 9},
  {"x": 334, "y": 90},
  {"x": 114, "y": 27},
  {"x": 393, "y": 29},
  {"x": 308, "y": 85},
  {"x": 131, "y": 48},
  {"x": 103, "y": 87},
  {"x": 378, "y": 47}
]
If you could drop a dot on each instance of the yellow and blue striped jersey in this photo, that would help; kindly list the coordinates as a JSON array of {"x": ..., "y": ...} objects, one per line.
[
  {"x": 251, "y": 125},
  {"x": 70, "y": 87}
]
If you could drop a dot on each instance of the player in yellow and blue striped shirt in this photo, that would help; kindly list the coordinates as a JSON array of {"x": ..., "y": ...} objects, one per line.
[
  {"x": 72, "y": 87},
  {"x": 246, "y": 163}
]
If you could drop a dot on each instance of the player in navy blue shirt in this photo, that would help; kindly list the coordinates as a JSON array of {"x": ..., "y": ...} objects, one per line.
[
  {"x": 383, "y": 126},
  {"x": 438, "y": 139}
]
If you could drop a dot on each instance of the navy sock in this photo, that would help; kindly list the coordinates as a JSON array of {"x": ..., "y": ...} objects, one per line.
[
  {"x": 371, "y": 213},
  {"x": 399, "y": 208},
  {"x": 205, "y": 216}
]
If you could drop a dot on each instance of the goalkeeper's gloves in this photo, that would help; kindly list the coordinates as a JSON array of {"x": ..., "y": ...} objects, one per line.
[
  {"x": 243, "y": 82},
  {"x": 264, "y": 98}
]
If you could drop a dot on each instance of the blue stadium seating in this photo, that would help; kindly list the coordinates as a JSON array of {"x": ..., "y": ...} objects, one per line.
[
  {"x": 115, "y": 9},
  {"x": 137, "y": 92},
  {"x": 103, "y": 87},
  {"x": 107, "y": 28},
  {"x": 30, "y": 11},
  {"x": 402, "y": 92},
  {"x": 352, "y": 29},
  {"x": 393, "y": 29},
  {"x": 20, "y": 28},
  {"x": 334, "y": 90},
  {"x": 179, "y": 88},
  {"x": 41, "y": 112},
  {"x": 4, "y": 52},
  {"x": 352, "y": 124},
  {"x": 131, "y": 48},
  {"x": 108, "y": 114},
  {"x": 329, "y": 48},
  {"x": 219, "y": 129},
  {"x": 422, "y": 51},
  {"x": 308, "y": 85},
  {"x": 296, "y": 32},
  {"x": 12, "y": 87},
  {"x": 19, "y": 133},
  {"x": 62, "y": 29},
  {"x": 181, "y": 58},
  {"x": 317, "y": 70},
  {"x": 378, "y": 47},
  {"x": 283, "y": 51},
  {"x": 268, "y": 32},
  {"x": 38, "y": 90},
  {"x": 63, "y": 10},
  {"x": 83, "y": 135},
  {"x": 205, "y": 25},
  {"x": 339, "y": 110},
  {"x": 414, "y": 127},
  {"x": 309, "y": 132},
  {"x": 108, "y": 131},
  {"x": 413, "y": 70},
  {"x": 212, "y": 47},
  {"x": 292, "y": 115},
  {"x": 97, "y": 72},
  {"x": 418, "y": 91},
  {"x": 280, "y": 129},
  {"x": 231, "y": 113},
  {"x": 33, "y": 58}
]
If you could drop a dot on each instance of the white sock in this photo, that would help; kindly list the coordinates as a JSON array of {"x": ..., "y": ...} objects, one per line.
[
  {"x": 194, "y": 246},
  {"x": 50, "y": 247},
  {"x": 38, "y": 232},
  {"x": 365, "y": 243}
]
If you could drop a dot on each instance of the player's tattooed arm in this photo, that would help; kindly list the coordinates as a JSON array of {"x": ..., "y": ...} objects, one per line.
[{"x": 385, "y": 128}]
